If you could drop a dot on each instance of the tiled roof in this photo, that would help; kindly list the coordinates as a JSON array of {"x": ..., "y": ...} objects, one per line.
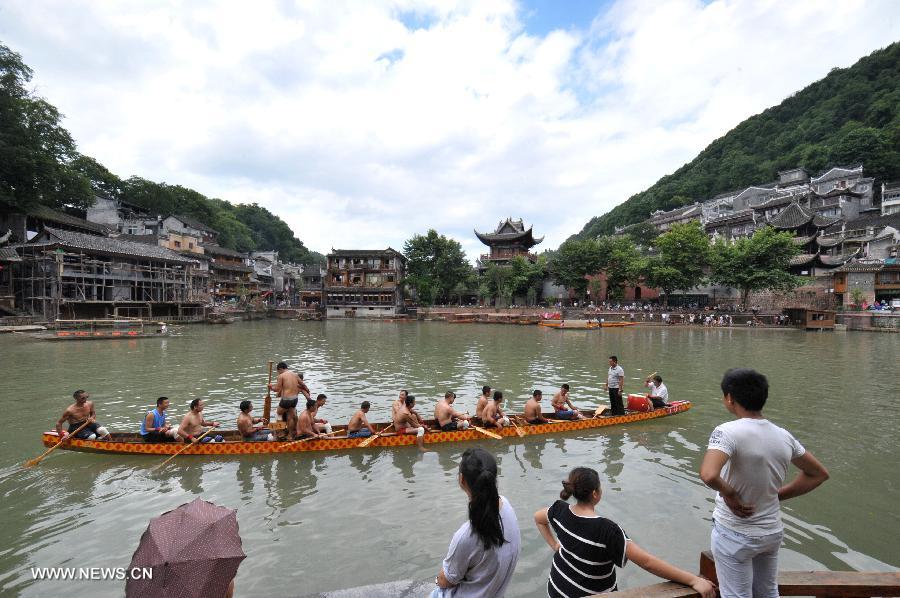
[
  {"x": 106, "y": 245},
  {"x": 875, "y": 221},
  {"x": 55, "y": 216},
  {"x": 389, "y": 252},
  {"x": 820, "y": 221},
  {"x": 677, "y": 213},
  {"x": 802, "y": 259},
  {"x": 838, "y": 171},
  {"x": 781, "y": 200},
  {"x": 194, "y": 223},
  {"x": 793, "y": 216},
  {"x": 862, "y": 266},
  {"x": 231, "y": 267},
  {"x": 830, "y": 242},
  {"x": 8, "y": 254},
  {"x": 838, "y": 192},
  {"x": 149, "y": 239},
  {"x": 803, "y": 240},
  {"x": 218, "y": 250},
  {"x": 733, "y": 217}
]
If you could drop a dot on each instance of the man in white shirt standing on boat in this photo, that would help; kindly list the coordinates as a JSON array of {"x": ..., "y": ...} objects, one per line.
[
  {"x": 615, "y": 384},
  {"x": 747, "y": 462}
]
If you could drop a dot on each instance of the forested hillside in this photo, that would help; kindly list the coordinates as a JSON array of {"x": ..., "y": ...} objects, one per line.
[
  {"x": 40, "y": 165},
  {"x": 851, "y": 116}
]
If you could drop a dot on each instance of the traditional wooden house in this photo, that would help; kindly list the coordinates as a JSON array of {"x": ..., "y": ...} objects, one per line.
[
  {"x": 364, "y": 283},
  {"x": 230, "y": 277}
]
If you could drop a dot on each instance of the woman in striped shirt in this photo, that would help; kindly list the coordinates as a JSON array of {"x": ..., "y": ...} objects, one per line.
[{"x": 588, "y": 547}]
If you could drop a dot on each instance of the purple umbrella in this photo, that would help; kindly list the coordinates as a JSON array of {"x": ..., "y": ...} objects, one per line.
[{"x": 194, "y": 551}]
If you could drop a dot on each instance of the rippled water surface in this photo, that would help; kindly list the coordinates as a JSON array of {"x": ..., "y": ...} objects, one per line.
[{"x": 317, "y": 522}]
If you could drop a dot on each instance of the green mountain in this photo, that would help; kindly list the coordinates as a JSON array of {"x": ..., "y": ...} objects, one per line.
[{"x": 851, "y": 116}]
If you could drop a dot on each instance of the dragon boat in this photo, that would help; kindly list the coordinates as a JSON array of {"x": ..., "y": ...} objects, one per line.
[{"x": 128, "y": 443}]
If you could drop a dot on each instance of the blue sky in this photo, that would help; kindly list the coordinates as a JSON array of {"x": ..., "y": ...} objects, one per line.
[{"x": 363, "y": 123}]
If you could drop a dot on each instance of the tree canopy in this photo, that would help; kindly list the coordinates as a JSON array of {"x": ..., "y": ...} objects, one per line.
[
  {"x": 851, "y": 116},
  {"x": 682, "y": 256},
  {"x": 436, "y": 267}
]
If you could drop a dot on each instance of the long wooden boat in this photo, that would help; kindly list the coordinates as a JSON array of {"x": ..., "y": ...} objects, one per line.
[
  {"x": 126, "y": 443},
  {"x": 101, "y": 329},
  {"x": 84, "y": 335}
]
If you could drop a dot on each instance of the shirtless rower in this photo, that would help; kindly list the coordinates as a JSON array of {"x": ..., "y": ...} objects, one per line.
[
  {"x": 359, "y": 426},
  {"x": 288, "y": 387},
  {"x": 493, "y": 413},
  {"x": 320, "y": 425},
  {"x": 562, "y": 405},
  {"x": 306, "y": 421},
  {"x": 76, "y": 414},
  {"x": 192, "y": 424},
  {"x": 447, "y": 419},
  {"x": 483, "y": 400},
  {"x": 252, "y": 428},
  {"x": 398, "y": 403},
  {"x": 407, "y": 421},
  {"x": 533, "y": 413}
]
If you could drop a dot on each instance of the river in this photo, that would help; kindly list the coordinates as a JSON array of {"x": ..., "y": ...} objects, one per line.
[{"x": 319, "y": 522}]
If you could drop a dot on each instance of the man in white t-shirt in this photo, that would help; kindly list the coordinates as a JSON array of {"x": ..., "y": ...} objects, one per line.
[
  {"x": 615, "y": 383},
  {"x": 658, "y": 393},
  {"x": 747, "y": 462}
]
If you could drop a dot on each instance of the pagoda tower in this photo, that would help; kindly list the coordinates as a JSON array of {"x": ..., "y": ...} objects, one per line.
[{"x": 507, "y": 241}]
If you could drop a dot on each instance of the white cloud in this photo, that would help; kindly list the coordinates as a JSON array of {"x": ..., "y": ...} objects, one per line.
[{"x": 362, "y": 123}]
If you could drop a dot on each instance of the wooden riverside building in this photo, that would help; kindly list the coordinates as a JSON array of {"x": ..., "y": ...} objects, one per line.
[
  {"x": 362, "y": 283},
  {"x": 510, "y": 239}
]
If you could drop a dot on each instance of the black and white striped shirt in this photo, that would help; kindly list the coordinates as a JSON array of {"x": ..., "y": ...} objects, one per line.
[{"x": 590, "y": 549}]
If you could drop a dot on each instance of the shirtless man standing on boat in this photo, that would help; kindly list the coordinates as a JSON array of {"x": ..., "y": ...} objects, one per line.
[
  {"x": 483, "y": 400},
  {"x": 306, "y": 422},
  {"x": 407, "y": 421},
  {"x": 76, "y": 414},
  {"x": 493, "y": 414},
  {"x": 533, "y": 414},
  {"x": 560, "y": 403},
  {"x": 192, "y": 424},
  {"x": 288, "y": 387},
  {"x": 445, "y": 416}
]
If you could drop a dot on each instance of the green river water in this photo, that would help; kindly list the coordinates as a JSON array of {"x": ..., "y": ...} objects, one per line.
[{"x": 319, "y": 522}]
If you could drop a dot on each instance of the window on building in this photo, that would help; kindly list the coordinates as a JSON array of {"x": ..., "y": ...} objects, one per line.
[
  {"x": 177, "y": 244},
  {"x": 190, "y": 245}
]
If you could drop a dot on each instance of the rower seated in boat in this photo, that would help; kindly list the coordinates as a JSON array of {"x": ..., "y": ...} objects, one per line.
[
  {"x": 446, "y": 417},
  {"x": 306, "y": 422},
  {"x": 533, "y": 413},
  {"x": 562, "y": 405},
  {"x": 408, "y": 421},
  {"x": 493, "y": 414},
  {"x": 359, "y": 426},
  {"x": 154, "y": 427},
  {"x": 658, "y": 393},
  {"x": 483, "y": 400},
  {"x": 252, "y": 428},
  {"x": 192, "y": 424},
  {"x": 76, "y": 414},
  {"x": 320, "y": 425}
]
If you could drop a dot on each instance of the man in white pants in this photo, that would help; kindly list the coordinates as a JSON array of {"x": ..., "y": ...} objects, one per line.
[{"x": 747, "y": 462}]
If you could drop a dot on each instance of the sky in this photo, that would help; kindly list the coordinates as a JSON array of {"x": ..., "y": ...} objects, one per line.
[{"x": 364, "y": 123}]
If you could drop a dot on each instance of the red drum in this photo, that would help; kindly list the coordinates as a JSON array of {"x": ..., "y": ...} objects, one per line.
[{"x": 639, "y": 403}]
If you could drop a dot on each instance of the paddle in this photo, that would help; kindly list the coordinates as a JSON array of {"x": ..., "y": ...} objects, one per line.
[
  {"x": 487, "y": 432},
  {"x": 186, "y": 447},
  {"x": 267, "y": 407},
  {"x": 36, "y": 460},
  {"x": 367, "y": 441},
  {"x": 313, "y": 437},
  {"x": 519, "y": 430}
]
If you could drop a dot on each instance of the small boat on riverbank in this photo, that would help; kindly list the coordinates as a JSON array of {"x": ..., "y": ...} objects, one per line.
[
  {"x": 89, "y": 330},
  {"x": 127, "y": 443}
]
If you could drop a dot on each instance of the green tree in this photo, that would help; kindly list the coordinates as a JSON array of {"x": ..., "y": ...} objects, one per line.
[
  {"x": 573, "y": 261},
  {"x": 622, "y": 263},
  {"x": 526, "y": 277},
  {"x": 497, "y": 282},
  {"x": 436, "y": 266},
  {"x": 102, "y": 181},
  {"x": 756, "y": 263},
  {"x": 36, "y": 152},
  {"x": 679, "y": 265}
]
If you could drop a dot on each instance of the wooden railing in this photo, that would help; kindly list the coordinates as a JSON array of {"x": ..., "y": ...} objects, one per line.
[{"x": 852, "y": 584}]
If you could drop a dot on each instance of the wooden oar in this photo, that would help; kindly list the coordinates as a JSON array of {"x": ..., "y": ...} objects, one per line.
[
  {"x": 267, "y": 406},
  {"x": 519, "y": 430},
  {"x": 186, "y": 447},
  {"x": 36, "y": 460},
  {"x": 487, "y": 432},
  {"x": 313, "y": 437},
  {"x": 367, "y": 441}
]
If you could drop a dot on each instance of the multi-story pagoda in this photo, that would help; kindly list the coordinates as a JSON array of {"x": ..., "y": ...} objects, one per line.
[{"x": 506, "y": 242}]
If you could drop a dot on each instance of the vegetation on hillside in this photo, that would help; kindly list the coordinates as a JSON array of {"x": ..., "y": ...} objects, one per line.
[
  {"x": 851, "y": 116},
  {"x": 40, "y": 165}
]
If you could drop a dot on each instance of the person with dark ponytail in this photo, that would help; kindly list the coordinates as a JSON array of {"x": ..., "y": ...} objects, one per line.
[
  {"x": 588, "y": 547},
  {"x": 485, "y": 549}
]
